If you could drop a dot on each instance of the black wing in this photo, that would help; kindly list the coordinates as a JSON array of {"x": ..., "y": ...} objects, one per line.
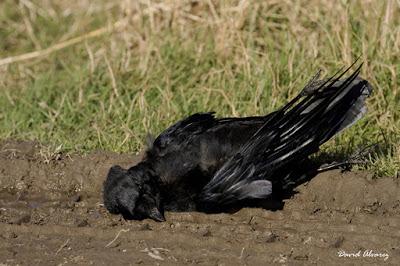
[
  {"x": 200, "y": 142},
  {"x": 182, "y": 132},
  {"x": 291, "y": 135},
  {"x": 188, "y": 130}
]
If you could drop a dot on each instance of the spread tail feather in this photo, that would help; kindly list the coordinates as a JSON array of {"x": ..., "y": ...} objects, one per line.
[
  {"x": 291, "y": 134},
  {"x": 358, "y": 110}
]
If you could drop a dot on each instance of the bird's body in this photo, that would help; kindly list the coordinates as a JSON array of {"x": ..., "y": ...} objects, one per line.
[
  {"x": 203, "y": 162},
  {"x": 185, "y": 161}
]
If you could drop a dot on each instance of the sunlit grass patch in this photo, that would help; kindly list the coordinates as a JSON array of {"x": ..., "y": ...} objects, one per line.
[{"x": 168, "y": 59}]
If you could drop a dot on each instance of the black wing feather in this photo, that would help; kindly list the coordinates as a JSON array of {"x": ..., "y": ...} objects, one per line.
[
  {"x": 182, "y": 132},
  {"x": 195, "y": 147},
  {"x": 292, "y": 134}
]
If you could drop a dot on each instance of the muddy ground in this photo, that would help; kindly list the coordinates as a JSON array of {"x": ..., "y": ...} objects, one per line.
[{"x": 51, "y": 213}]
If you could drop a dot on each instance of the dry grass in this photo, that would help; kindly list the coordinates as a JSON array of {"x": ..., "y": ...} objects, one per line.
[{"x": 167, "y": 59}]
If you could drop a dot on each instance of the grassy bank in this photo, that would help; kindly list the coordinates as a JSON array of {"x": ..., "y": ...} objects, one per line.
[{"x": 164, "y": 60}]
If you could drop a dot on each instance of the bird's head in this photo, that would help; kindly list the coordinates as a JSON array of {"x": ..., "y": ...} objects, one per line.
[{"x": 134, "y": 193}]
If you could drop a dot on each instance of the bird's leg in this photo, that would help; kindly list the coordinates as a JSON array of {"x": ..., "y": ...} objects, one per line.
[
  {"x": 345, "y": 165},
  {"x": 355, "y": 158}
]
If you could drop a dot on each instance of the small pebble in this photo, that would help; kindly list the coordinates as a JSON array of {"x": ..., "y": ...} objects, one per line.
[
  {"x": 81, "y": 223},
  {"x": 25, "y": 218},
  {"x": 205, "y": 232},
  {"x": 9, "y": 235},
  {"x": 270, "y": 237},
  {"x": 145, "y": 227},
  {"x": 76, "y": 198},
  {"x": 301, "y": 257},
  {"x": 338, "y": 242}
]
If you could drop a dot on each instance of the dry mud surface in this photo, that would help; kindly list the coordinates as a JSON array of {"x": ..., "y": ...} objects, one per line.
[{"x": 51, "y": 213}]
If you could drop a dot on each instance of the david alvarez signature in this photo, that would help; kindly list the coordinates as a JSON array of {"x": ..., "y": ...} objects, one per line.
[{"x": 368, "y": 253}]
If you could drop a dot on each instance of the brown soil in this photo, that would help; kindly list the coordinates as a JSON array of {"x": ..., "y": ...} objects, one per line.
[{"x": 51, "y": 213}]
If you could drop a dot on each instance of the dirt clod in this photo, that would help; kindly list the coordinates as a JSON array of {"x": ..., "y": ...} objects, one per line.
[
  {"x": 22, "y": 219},
  {"x": 9, "y": 235}
]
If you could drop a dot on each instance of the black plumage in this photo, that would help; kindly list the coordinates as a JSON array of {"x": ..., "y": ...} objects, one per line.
[{"x": 209, "y": 163}]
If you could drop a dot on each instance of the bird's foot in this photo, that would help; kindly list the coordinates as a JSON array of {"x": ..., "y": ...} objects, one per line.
[{"x": 358, "y": 157}]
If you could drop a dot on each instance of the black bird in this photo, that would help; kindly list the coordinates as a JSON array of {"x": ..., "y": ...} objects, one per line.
[{"x": 207, "y": 163}]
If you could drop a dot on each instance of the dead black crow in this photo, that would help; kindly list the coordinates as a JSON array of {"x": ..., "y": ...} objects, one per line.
[{"x": 207, "y": 163}]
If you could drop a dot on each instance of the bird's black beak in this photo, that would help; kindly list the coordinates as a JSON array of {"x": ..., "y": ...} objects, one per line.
[{"x": 156, "y": 215}]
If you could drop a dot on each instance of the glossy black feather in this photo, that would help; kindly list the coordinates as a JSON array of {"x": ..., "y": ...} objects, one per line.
[
  {"x": 291, "y": 135},
  {"x": 200, "y": 142},
  {"x": 203, "y": 162},
  {"x": 177, "y": 165}
]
